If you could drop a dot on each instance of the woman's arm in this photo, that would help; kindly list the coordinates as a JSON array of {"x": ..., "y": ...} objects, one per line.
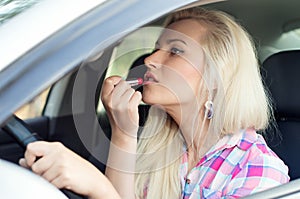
[
  {"x": 121, "y": 103},
  {"x": 67, "y": 170},
  {"x": 121, "y": 165}
]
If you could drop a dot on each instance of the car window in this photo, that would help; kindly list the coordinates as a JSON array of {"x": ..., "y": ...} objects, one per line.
[
  {"x": 133, "y": 46},
  {"x": 35, "y": 107},
  {"x": 138, "y": 43},
  {"x": 11, "y": 8}
]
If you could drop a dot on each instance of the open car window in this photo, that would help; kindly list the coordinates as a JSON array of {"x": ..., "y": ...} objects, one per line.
[
  {"x": 35, "y": 107},
  {"x": 67, "y": 61},
  {"x": 126, "y": 52}
]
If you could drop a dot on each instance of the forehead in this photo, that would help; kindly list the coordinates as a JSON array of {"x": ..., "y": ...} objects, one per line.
[{"x": 187, "y": 29}]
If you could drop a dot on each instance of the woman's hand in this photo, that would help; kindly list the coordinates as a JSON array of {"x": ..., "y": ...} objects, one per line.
[
  {"x": 121, "y": 103},
  {"x": 66, "y": 170}
]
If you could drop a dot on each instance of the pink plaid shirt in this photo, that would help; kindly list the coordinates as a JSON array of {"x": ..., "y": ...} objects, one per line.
[{"x": 238, "y": 165}]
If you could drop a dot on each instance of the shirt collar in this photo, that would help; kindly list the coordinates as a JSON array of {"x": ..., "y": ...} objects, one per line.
[{"x": 243, "y": 139}]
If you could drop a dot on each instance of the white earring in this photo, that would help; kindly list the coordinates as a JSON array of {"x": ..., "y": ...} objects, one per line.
[{"x": 209, "y": 110}]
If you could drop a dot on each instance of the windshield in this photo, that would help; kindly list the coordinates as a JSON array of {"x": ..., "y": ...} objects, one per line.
[{"x": 11, "y": 8}]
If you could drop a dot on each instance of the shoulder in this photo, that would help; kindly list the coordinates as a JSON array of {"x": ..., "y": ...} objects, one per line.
[
  {"x": 260, "y": 168},
  {"x": 257, "y": 152},
  {"x": 257, "y": 156}
]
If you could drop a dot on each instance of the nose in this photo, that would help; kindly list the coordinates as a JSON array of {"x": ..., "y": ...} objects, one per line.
[{"x": 154, "y": 60}]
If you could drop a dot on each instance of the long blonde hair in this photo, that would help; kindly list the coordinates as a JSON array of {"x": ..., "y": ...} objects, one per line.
[{"x": 240, "y": 102}]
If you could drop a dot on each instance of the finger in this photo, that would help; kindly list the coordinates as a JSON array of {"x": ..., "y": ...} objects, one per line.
[
  {"x": 32, "y": 152},
  {"x": 136, "y": 98},
  {"x": 61, "y": 181},
  {"x": 125, "y": 97},
  {"x": 52, "y": 173},
  {"x": 38, "y": 149},
  {"x": 23, "y": 163},
  {"x": 42, "y": 165},
  {"x": 120, "y": 89},
  {"x": 109, "y": 85}
]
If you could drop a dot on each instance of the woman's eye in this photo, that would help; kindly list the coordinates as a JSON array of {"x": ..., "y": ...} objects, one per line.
[{"x": 176, "y": 51}]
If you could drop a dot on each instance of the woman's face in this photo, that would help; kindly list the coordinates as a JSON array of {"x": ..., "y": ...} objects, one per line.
[{"x": 174, "y": 69}]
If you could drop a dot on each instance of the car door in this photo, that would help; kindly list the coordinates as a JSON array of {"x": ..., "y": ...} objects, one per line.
[{"x": 55, "y": 61}]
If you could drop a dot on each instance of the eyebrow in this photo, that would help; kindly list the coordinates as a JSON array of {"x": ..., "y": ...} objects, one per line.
[
  {"x": 170, "y": 41},
  {"x": 175, "y": 40}
]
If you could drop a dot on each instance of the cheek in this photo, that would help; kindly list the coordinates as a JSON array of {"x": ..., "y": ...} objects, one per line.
[
  {"x": 182, "y": 82},
  {"x": 195, "y": 80},
  {"x": 191, "y": 76},
  {"x": 179, "y": 82}
]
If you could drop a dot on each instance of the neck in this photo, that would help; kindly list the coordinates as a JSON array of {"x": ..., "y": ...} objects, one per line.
[{"x": 194, "y": 128}]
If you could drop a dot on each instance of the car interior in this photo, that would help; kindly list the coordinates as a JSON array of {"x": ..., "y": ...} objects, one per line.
[
  {"x": 280, "y": 72},
  {"x": 73, "y": 114}
]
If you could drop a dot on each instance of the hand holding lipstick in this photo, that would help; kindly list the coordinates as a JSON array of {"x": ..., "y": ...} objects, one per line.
[{"x": 121, "y": 103}]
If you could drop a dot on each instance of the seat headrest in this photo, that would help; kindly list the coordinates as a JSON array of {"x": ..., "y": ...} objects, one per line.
[
  {"x": 138, "y": 69},
  {"x": 281, "y": 73}
]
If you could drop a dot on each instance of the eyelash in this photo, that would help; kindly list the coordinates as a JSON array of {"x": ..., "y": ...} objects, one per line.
[
  {"x": 176, "y": 51},
  {"x": 173, "y": 51}
]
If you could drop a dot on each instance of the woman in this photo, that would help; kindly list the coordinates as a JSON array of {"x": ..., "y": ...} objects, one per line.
[{"x": 200, "y": 138}]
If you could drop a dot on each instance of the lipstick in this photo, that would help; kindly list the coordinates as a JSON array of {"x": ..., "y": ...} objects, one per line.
[{"x": 135, "y": 82}]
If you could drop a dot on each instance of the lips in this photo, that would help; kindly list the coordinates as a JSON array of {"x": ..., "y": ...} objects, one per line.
[{"x": 150, "y": 78}]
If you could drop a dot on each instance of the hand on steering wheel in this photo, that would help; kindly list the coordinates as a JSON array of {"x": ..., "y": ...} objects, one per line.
[{"x": 19, "y": 130}]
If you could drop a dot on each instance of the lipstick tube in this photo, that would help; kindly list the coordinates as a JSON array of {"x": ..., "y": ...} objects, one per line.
[{"x": 135, "y": 82}]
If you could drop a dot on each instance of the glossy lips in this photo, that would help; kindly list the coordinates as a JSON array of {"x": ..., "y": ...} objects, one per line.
[{"x": 150, "y": 78}]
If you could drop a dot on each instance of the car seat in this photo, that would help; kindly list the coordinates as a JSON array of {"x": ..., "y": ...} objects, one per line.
[
  {"x": 281, "y": 75},
  {"x": 138, "y": 69}
]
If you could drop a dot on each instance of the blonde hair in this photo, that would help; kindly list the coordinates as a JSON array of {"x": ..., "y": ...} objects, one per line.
[{"x": 240, "y": 101}]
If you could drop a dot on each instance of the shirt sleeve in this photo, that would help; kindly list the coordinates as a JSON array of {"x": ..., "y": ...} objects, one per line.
[{"x": 261, "y": 171}]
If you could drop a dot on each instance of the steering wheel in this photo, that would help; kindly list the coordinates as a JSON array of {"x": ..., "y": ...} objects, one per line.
[
  {"x": 20, "y": 131},
  {"x": 22, "y": 183}
]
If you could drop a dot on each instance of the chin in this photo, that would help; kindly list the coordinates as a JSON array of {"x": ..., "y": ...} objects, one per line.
[{"x": 147, "y": 99}]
